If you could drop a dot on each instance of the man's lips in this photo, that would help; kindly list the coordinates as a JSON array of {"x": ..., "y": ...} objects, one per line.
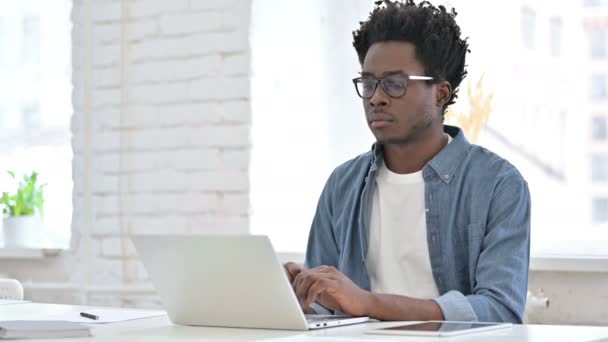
[
  {"x": 380, "y": 123},
  {"x": 380, "y": 120}
]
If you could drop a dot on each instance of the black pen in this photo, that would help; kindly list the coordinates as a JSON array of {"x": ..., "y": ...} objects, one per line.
[{"x": 89, "y": 316}]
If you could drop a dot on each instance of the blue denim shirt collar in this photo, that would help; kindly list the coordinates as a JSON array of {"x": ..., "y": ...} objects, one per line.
[{"x": 444, "y": 164}]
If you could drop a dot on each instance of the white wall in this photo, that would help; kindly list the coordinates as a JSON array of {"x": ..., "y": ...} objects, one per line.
[
  {"x": 160, "y": 138},
  {"x": 574, "y": 297}
]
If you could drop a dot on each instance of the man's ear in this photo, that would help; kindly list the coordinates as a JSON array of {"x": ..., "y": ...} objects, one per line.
[{"x": 444, "y": 92}]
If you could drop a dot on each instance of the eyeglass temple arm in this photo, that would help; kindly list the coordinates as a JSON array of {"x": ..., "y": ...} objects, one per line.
[{"x": 422, "y": 78}]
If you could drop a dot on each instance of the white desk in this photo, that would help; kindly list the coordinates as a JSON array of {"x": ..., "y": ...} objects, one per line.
[{"x": 161, "y": 329}]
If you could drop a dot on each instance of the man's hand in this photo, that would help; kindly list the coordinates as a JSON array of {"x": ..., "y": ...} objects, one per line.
[
  {"x": 331, "y": 288},
  {"x": 292, "y": 269}
]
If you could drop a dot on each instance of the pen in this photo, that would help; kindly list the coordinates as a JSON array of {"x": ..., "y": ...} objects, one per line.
[{"x": 88, "y": 315}]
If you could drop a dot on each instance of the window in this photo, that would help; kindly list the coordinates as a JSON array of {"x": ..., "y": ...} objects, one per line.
[
  {"x": 35, "y": 106},
  {"x": 600, "y": 210},
  {"x": 321, "y": 131},
  {"x": 599, "y": 168},
  {"x": 599, "y": 90},
  {"x": 30, "y": 114},
  {"x": 595, "y": 3},
  {"x": 530, "y": 121},
  {"x": 30, "y": 48},
  {"x": 598, "y": 42},
  {"x": 599, "y": 128},
  {"x": 528, "y": 23},
  {"x": 2, "y": 40},
  {"x": 555, "y": 39}
]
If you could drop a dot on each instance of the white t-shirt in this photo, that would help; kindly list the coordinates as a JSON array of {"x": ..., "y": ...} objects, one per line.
[{"x": 398, "y": 259}]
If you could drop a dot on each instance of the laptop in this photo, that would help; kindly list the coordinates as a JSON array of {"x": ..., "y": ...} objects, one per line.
[{"x": 226, "y": 281}]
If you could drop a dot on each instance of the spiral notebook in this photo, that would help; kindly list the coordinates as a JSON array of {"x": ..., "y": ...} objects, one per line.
[{"x": 42, "y": 329}]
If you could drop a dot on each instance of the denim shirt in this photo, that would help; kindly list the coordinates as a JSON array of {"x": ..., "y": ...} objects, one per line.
[{"x": 478, "y": 229}]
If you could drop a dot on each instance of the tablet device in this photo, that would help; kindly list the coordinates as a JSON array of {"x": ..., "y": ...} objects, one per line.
[{"x": 439, "y": 328}]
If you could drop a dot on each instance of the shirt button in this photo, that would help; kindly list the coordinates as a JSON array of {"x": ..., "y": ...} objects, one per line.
[
  {"x": 427, "y": 210},
  {"x": 446, "y": 177},
  {"x": 433, "y": 237}
]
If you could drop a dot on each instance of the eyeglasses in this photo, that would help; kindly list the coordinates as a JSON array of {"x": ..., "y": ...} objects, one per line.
[{"x": 393, "y": 85}]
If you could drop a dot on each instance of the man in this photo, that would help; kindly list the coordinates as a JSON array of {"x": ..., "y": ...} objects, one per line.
[{"x": 425, "y": 226}]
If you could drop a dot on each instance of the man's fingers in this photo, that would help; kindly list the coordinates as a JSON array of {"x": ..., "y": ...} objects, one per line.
[
  {"x": 292, "y": 269},
  {"x": 302, "y": 283},
  {"x": 315, "y": 291},
  {"x": 324, "y": 269},
  {"x": 287, "y": 273}
]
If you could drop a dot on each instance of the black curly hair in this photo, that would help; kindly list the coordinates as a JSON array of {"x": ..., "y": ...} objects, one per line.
[{"x": 432, "y": 30}]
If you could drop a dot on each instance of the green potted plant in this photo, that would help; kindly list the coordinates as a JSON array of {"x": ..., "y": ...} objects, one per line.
[{"x": 22, "y": 211}]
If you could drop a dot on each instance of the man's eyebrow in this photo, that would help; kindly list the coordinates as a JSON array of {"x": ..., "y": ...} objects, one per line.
[{"x": 386, "y": 73}]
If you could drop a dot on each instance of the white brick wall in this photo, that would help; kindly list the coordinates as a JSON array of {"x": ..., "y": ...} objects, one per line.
[
  {"x": 161, "y": 135},
  {"x": 172, "y": 24}
]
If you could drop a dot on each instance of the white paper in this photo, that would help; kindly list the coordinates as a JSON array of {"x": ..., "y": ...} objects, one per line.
[
  {"x": 42, "y": 329},
  {"x": 109, "y": 315},
  {"x": 309, "y": 338},
  {"x": 11, "y": 301}
]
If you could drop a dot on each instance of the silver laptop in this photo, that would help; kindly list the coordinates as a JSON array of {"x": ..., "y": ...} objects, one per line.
[{"x": 226, "y": 281}]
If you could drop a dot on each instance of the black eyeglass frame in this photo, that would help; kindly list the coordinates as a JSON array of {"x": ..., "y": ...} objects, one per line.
[{"x": 381, "y": 81}]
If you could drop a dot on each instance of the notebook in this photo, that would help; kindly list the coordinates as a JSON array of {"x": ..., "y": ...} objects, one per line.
[
  {"x": 42, "y": 329},
  {"x": 11, "y": 301}
]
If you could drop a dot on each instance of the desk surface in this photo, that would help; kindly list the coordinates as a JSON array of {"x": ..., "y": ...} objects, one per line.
[{"x": 161, "y": 329}]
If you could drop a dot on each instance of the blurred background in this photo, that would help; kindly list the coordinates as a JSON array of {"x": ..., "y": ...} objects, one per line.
[{"x": 210, "y": 116}]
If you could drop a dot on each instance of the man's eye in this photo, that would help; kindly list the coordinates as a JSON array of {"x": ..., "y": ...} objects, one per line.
[
  {"x": 368, "y": 85},
  {"x": 394, "y": 85}
]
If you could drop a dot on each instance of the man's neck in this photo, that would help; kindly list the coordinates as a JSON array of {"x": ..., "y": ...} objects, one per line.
[{"x": 412, "y": 157}]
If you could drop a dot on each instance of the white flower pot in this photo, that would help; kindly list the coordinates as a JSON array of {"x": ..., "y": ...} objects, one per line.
[{"x": 21, "y": 231}]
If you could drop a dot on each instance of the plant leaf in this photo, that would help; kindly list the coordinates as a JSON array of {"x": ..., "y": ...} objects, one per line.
[{"x": 28, "y": 199}]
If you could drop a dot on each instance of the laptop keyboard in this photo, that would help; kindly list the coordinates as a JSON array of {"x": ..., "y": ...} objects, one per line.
[{"x": 324, "y": 318}]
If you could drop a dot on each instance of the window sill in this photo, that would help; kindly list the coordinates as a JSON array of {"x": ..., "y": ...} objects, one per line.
[
  {"x": 28, "y": 253},
  {"x": 565, "y": 263},
  {"x": 589, "y": 255},
  {"x": 557, "y": 263},
  {"x": 545, "y": 262}
]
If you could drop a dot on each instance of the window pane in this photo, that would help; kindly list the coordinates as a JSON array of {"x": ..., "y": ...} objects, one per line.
[
  {"x": 31, "y": 39},
  {"x": 598, "y": 42},
  {"x": 2, "y": 41},
  {"x": 528, "y": 18},
  {"x": 598, "y": 87},
  {"x": 591, "y": 3},
  {"x": 600, "y": 210},
  {"x": 555, "y": 40},
  {"x": 35, "y": 106},
  {"x": 599, "y": 128},
  {"x": 595, "y": 3},
  {"x": 599, "y": 168}
]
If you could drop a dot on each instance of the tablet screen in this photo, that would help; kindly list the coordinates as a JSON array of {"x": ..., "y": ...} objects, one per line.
[{"x": 442, "y": 326}]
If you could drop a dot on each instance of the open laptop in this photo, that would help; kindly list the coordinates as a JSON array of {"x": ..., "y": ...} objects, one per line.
[{"x": 226, "y": 281}]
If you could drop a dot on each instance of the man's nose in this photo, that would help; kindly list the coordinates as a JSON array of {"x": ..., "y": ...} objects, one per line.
[{"x": 379, "y": 98}]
